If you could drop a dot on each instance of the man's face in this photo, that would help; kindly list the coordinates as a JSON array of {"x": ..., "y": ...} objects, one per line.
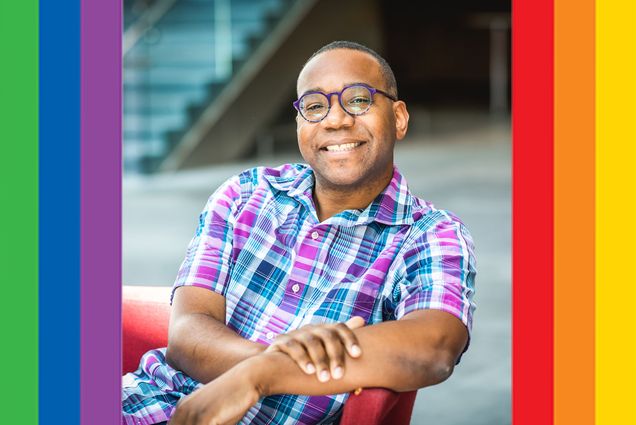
[{"x": 372, "y": 134}]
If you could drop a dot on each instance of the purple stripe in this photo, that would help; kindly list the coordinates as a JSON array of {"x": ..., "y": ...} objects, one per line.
[{"x": 100, "y": 221}]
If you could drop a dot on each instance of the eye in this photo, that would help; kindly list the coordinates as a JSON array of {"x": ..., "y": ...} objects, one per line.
[
  {"x": 359, "y": 100},
  {"x": 314, "y": 107}
]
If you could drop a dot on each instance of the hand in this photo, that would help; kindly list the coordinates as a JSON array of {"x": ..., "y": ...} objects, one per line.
[
  {"x": 223, "y": 401},
  {"x": 320, "y": 349}
]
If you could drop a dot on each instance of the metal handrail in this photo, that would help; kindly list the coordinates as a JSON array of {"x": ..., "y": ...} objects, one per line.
[{"x": 145, "y": 22}]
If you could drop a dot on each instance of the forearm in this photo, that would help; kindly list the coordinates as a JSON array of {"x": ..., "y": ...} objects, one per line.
[
  {"x": 398, "y": 355},
  {"x": 204, "y": 348}
]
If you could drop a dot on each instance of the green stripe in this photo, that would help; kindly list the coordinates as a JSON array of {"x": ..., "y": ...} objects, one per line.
[{"x": 19, "y": 210}]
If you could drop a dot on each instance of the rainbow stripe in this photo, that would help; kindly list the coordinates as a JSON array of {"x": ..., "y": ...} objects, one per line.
[
  {"x": 573, "y": 211},
  {"x": 19, "y": 208},
  {"x": 533, "y": 206},
  {"x": 574, "y": 162},
  {"x": 59, "y": 183},
  {"x": 574, "y": 137},
  {"x": 615, "y": 212}
]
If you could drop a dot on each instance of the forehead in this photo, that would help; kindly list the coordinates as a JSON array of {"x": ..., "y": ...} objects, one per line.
[{"x": 331, "y": 70}]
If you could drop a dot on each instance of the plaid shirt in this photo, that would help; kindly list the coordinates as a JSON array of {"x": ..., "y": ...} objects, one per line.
[{"x": 260, "y": 244}]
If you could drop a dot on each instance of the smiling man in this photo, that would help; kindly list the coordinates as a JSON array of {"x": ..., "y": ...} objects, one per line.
[{"x": 307, "y": 281}]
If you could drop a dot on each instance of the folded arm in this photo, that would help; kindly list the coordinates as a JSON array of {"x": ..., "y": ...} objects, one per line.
[
  {"x": 201, "y": 345},
  {"x": 199, "y": 342},
  {"x": 418, "y": 350}
]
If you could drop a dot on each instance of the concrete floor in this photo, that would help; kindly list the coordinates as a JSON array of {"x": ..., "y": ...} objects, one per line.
[{"x": 460, "y": 162}]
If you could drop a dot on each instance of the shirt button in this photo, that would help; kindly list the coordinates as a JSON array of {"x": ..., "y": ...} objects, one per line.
[
  {"x": 314, "y": 235},
  {"x": 296, "y": 287},
  {"x": 270, "y": 335}
]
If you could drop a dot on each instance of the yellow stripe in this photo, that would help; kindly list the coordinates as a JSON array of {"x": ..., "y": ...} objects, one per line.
[{"x": 615, "y": 212}]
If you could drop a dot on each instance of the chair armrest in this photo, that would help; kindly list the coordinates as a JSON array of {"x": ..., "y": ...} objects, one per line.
[
  {"x": 378, "y": 406},
  {"x": 145, "y": 318}
]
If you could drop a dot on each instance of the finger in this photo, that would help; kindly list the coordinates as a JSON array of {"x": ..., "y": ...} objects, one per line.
[
  {"x": 355, "y": 322},
  {"x": 349, "y": 337},
  {"x": 273, "y": 347},
  {"x": 296, "y": 351},
  {"x": 335, "y": 350},
  {"x": 316, "y": 351},
  {"x": 349, "y": 340}
]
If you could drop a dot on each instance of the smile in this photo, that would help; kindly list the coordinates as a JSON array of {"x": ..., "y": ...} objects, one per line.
[{"x": 342, "y": 148}]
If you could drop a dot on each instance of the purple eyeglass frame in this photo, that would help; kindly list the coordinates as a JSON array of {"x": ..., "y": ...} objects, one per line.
[{"x": 373, "y": 91}]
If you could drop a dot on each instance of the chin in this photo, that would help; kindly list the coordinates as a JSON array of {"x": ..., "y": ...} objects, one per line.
[{"x": 341, "y": 180}]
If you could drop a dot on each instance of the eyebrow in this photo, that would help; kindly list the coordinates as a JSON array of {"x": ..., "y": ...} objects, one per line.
[{"x": 320, "y": 89}]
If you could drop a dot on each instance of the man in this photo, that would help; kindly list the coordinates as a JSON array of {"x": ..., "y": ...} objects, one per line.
[{"x": 305, "y": 281}]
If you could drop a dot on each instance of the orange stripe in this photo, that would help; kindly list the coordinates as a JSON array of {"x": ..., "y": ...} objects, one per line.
[{"x": 574, "y": 208}]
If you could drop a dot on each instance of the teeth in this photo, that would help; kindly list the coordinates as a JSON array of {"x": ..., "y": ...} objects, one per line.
[{"x": 341, "y": 148}]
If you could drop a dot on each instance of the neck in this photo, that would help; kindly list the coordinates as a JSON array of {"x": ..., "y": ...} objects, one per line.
[{"x": 331, "y": 200}]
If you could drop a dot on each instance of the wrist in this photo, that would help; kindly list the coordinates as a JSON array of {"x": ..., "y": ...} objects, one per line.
[{"x": 259, "y": 370}]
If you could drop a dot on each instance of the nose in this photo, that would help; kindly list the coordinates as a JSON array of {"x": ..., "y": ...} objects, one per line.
[{"x": 337, "y": 117}]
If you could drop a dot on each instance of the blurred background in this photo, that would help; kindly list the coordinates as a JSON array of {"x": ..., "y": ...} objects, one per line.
[{"x": 208, "y": 87}]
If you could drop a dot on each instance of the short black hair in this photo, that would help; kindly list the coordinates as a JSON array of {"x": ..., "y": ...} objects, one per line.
[{"x": 385, "y": 68}]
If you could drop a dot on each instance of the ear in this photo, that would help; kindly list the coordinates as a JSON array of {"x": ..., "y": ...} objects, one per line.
[{"x": 401, "y": 119}]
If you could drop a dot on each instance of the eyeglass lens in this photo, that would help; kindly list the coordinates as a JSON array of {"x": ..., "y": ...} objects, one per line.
[{"x": 355, "y": 100}]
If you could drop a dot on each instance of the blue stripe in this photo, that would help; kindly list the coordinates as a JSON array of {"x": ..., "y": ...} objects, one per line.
[{"x": 59, "y": 172}]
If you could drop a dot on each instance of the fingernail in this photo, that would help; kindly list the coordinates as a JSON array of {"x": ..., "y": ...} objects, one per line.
[
  {"x": 355, "y": 350},
  {"x": 324, "y": 376},
  {"x": 337, "y": 373},
  {"x": 310, "y": 368}
]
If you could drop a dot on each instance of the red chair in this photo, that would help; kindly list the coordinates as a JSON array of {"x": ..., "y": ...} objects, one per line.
[{"x": 146, "y": 312}]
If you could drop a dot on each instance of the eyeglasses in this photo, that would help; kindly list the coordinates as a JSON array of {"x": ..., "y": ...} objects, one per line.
[{"x": 355, "y": 99}]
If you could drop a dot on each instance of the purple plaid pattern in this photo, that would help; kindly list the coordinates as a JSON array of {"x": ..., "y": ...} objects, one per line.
[{"x": 259, "y": 244}]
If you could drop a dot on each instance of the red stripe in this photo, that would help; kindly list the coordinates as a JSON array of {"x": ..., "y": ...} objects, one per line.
[{"x": 532, "y": 129}]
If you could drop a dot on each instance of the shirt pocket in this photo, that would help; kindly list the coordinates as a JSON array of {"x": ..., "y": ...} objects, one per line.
[{"x": 348, "y": 298}]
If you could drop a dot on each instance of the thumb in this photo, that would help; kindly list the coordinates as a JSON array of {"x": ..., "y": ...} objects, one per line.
[{"x": 355, "y": 322}]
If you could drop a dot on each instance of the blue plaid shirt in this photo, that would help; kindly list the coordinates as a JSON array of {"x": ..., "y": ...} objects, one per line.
[{"x": 260, "y": 244}]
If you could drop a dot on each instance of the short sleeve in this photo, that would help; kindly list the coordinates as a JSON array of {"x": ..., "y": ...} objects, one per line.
[
  {"x": 438, "y": 272},
  {"x": 208, "y": 260}
]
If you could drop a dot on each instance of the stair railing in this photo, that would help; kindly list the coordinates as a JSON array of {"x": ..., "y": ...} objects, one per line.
[{"x": 145, "y": 22}]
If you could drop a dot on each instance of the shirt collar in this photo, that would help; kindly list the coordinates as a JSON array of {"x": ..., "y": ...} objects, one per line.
[
  {"x": 394, "y": 206},
  {"x": 295, "y": 179}
]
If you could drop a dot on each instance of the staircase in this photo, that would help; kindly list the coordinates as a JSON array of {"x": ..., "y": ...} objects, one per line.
[{"x": 186, "y": 54}]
